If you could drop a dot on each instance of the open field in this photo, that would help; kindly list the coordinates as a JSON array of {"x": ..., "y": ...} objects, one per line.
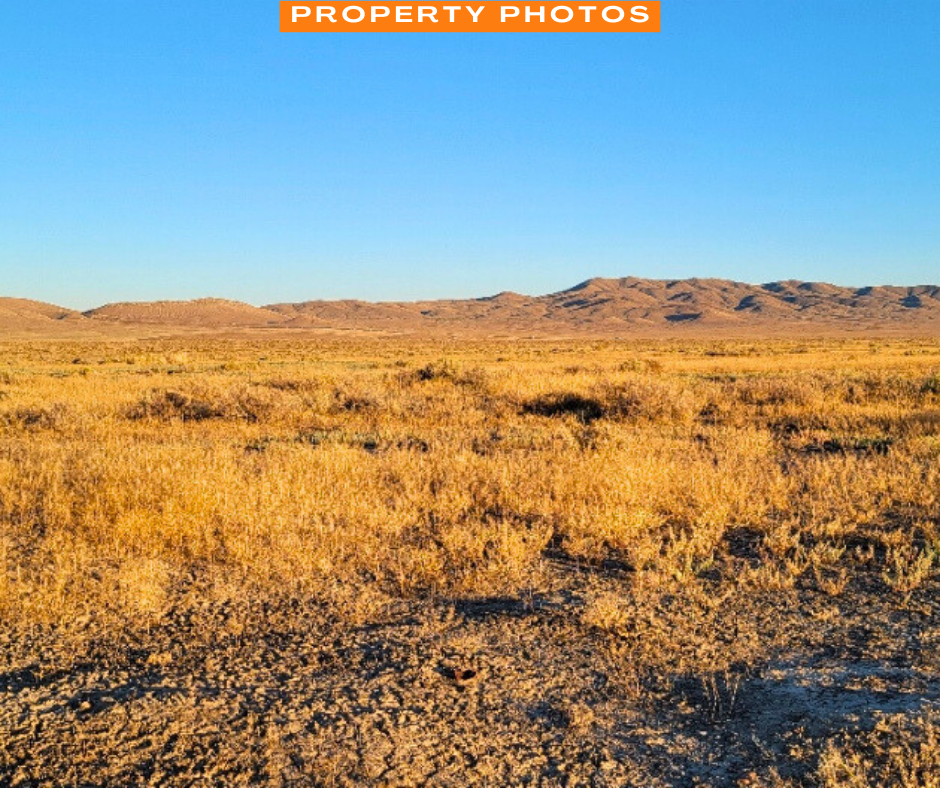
[{"x": 391, "y": 562}]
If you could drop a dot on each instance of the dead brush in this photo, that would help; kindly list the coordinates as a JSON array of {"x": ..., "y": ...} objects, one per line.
[
  {"x": 908, "y": 568},
  {"x": 902, "y": 750},
  {"x": 243, "y": 403},
  {"x": 37, "y": 417},
  {"x": 649, "y": 400},
  {"x": 650, "y": 366},
  {"x": 930, "y": 386},
  {"x": 607, "y": 612},
  {"x": 584, "y": 409},
  {"x": 168, "y": 404},
  {"x": 632, "y": 400},
  {"x": 296, "y": 385},
  {"x": 721, "y": 690},
  {"x": 765, "y": 392},
  {"x": 437, "y": 370}
]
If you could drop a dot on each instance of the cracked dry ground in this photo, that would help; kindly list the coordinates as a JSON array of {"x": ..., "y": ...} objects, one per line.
[{"x": 510, "y": 691}]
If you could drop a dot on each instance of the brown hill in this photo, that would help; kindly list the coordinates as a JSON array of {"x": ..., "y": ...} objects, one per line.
[
  {"x": 21, "y": 315},
  {"x": 596, "y": 306},
  {"x": 201, "y": 313}
]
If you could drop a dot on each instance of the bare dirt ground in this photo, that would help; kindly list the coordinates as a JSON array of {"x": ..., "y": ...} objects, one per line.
[{"x": 506, "y": 691}]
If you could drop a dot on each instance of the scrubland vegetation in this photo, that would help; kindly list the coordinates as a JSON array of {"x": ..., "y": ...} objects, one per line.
[{"x": 697, "y": 563}]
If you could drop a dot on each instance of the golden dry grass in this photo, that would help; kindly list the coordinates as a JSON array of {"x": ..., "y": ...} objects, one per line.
[
  {"x": 718, "y": 481},
  {"x": 450, "y": 470}
]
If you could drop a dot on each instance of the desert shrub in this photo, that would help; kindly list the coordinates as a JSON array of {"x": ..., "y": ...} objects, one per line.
[
  {"x": 47, "y": 417},
  {"x": 239, "y": 404},
  {"x": 872, "y": 388},
  {"x": 584, "y": 409},
  {"x": 353, "y": 402},
  {"x": 296, "y": 385},
  {"x": 716, "y": 410},
  {"x": 641, "y": 365},
  {"x": 931, "y": 385},
  {"x": 167, "y": 404},
  {"x": 901, "y": 750},
  {"x": 648, "y": 400},
  {"x": 446, "y": 370},
  {"x": 774, "y": 391},
  {"x": 437, "y": 370},
  {"x": 639, "y": 399}
]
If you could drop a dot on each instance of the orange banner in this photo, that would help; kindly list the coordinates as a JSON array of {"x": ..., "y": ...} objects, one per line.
[{"x": 485, "y": 17}]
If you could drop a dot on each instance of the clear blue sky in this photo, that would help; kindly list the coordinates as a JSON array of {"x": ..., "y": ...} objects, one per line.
[{"x": 181, "y": 148}]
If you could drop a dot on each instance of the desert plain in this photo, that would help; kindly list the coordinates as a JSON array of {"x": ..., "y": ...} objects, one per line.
[{"x": 391, "y": 545}]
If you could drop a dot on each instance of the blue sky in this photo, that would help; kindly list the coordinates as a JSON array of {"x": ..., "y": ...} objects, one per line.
[{"x": 176, "y": 149}]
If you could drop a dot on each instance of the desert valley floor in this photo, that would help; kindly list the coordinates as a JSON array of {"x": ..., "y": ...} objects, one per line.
[{"x": 337, "y": 560}]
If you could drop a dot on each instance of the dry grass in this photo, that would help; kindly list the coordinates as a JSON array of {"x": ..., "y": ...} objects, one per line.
[{"x": 713, "y": 483}]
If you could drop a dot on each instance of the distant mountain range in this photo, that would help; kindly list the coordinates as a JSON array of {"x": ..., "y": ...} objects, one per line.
[{"x": 607, "y": 307}]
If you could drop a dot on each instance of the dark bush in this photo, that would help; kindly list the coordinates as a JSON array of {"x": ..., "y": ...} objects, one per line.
[{"x": 585, "y": 409}]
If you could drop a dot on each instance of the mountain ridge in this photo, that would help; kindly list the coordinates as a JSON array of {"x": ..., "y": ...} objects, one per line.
[{"x": 597, "y": 305}]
